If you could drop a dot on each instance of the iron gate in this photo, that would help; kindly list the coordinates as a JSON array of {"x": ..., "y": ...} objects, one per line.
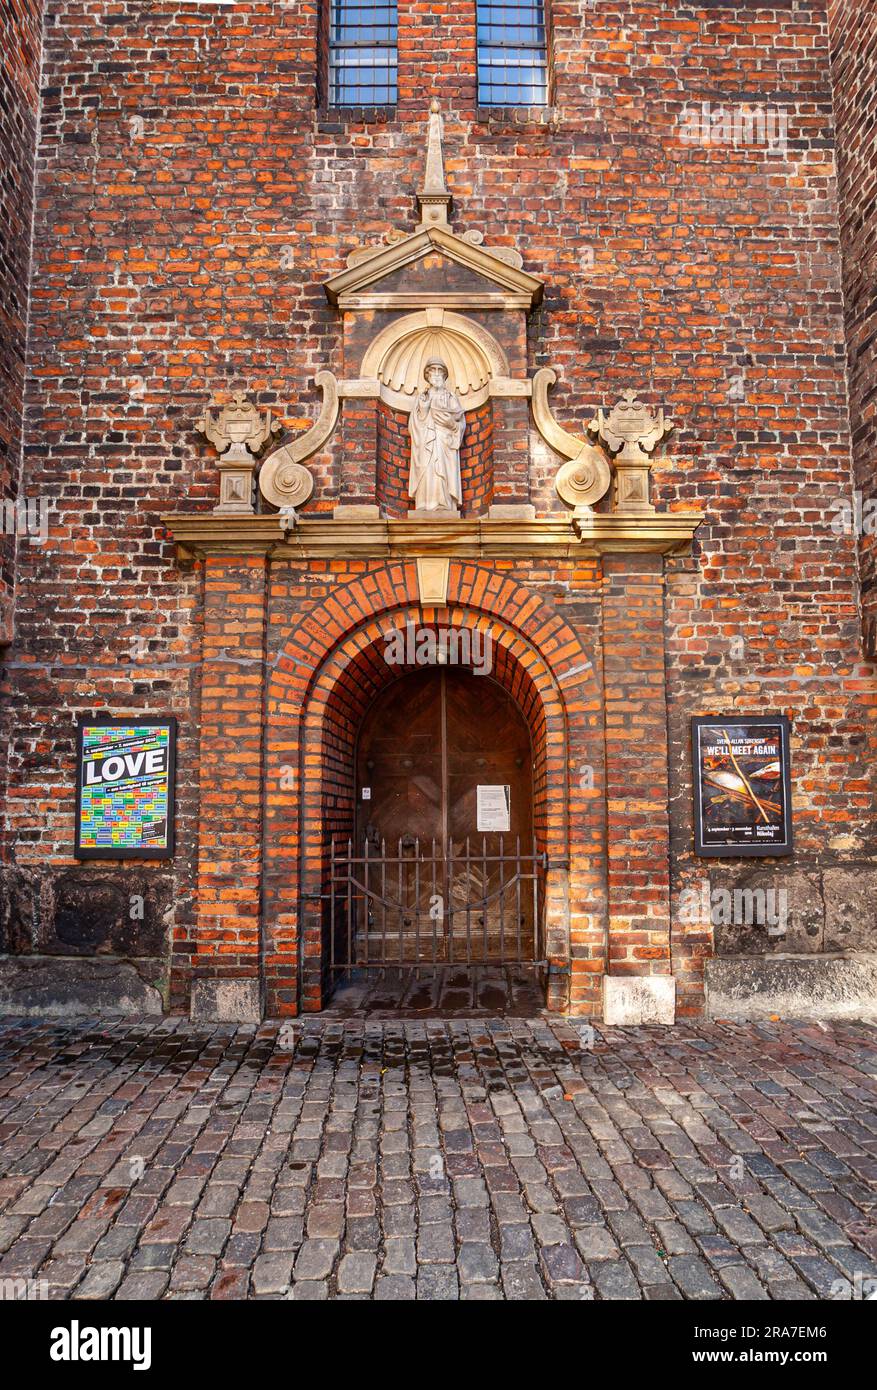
[{"x": 423, "y": 907}]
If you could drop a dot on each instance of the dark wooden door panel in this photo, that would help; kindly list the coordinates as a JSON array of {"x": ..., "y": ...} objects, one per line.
[
  {"x": 399, "y": 760},
  {"x": 425, "y": 746},
  {"x": 487, "y": 743}
]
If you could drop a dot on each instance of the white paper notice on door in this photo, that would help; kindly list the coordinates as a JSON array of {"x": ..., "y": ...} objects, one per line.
[{"x": 494, "y": 805}]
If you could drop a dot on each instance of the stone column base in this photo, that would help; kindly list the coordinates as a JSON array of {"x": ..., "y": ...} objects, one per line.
[
  {"x": 634, "y": 999},
  {"x": 225, "y": 1001},
  {"x": 767, "y": 987}
]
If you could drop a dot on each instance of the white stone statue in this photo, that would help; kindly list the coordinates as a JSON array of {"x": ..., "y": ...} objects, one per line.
[{"x": 437, "y": 426}]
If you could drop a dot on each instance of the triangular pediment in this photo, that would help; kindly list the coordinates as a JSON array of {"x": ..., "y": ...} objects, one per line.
[{"x": 487, "y": 276}]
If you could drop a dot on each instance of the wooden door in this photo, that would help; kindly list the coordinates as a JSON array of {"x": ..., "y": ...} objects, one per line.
[
  {"x": 436, "y": 888},
  {"x": 487, "y": 743}
]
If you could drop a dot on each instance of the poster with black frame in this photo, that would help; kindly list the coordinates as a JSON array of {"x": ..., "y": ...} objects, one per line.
[
  {"x": 742, "y": 785},
  {"x": 125, "y": 788}
]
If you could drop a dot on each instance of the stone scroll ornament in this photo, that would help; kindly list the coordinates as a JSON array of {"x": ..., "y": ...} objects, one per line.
[
  {"x": 238, "y": 431},
  {"x": 283, "y": 479},
  {"x": 631, "y": 428},
  {"x": 585, "y": 478}
]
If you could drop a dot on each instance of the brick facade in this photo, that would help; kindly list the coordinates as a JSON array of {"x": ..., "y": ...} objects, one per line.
[
  {"x": 192, "y": 197},
  {"x": 20, "y": 49},
  {"x": 853, "y": 27}
]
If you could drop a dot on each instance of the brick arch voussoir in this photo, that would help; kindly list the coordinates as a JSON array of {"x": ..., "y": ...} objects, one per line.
[
  {"x": 550, "y": 706},
  {"x": 473, "y": 588},
  {"x": 546, "y": 712}
]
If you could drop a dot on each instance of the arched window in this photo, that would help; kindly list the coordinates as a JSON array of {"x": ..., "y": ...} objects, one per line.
[
  {"x": 362, "y": 52},
  {"x": 512, "y": 59}
]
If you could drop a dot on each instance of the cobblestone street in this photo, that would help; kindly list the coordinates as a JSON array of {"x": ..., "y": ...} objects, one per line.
[{"x": 466, "y": 1158}]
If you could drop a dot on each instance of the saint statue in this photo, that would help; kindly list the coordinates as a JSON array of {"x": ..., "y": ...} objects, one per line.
[{"x": 437, "y": 425}]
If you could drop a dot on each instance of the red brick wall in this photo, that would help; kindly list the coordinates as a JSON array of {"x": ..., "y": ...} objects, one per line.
[
  {"x": 227, "y": 943},
  {"x": 394, "y": 461},
  {"x": 854, "y": 71},
  {"x": 476, "y": 461},
  {"x": 636, "y": 765},
  {"x": 191, "y": 200},
  {"x": 20, "y": 24}
]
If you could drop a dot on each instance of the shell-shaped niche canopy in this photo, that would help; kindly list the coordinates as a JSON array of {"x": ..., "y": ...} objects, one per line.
[
  {"x": 398, "y": 355},
  {"x": 402, "y": 368}
]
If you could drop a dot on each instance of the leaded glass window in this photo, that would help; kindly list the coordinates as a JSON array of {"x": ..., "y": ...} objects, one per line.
[
  {"x": 512, "y": 60},
  {"x": 362, "y": 52}
]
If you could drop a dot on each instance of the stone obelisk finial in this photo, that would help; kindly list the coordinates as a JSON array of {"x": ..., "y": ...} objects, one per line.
[{"x": 433, "y": 198}]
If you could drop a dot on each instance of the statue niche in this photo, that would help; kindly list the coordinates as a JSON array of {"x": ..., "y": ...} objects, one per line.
[
  {"x": 434, "y": 372},
  {"x": 437, "y": 424}
]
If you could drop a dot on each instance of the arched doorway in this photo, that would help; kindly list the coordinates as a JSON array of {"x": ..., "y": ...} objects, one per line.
[
  {"x": 442, "y": 868},
  {"x": 316, "y": 707}
]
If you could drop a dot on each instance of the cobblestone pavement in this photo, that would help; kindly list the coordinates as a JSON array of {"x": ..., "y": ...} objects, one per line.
[{"x": 461, "y": 1158}]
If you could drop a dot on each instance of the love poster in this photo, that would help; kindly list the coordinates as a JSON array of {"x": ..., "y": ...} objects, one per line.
[
  {"x": 125, "y": 789},
  {"x": 741, "y": 785}
]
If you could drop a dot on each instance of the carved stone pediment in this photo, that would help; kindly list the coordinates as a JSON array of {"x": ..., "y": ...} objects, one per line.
[
  {"x": 437, "y": 301},
  {"x": 367, "y": 283}
]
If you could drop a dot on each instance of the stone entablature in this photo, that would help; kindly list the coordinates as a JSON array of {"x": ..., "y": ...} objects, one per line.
[{"x": 498, "y": 537}]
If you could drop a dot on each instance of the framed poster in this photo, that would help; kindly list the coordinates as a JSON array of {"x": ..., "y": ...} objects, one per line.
[
  {"x": 493, "y": 807},
  {"x": 742, "y": 790},
  {"x": 125, "y": 788}
]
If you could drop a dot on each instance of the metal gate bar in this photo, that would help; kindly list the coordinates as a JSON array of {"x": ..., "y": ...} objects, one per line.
[{"x": 373, "y": 928}]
